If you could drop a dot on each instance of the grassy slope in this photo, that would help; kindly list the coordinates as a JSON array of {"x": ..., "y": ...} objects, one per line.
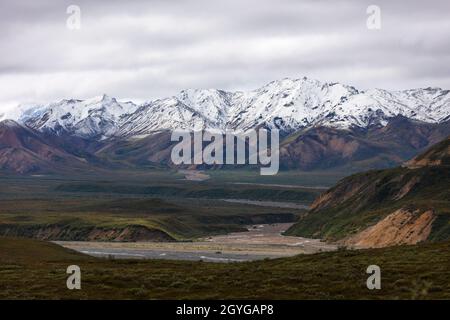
[
  {"x": 376, "y": 199},
  {"x": 31, "y": 269}
]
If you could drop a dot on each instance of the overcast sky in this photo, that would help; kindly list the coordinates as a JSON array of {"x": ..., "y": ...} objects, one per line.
[{"x": 142, "y": 50}]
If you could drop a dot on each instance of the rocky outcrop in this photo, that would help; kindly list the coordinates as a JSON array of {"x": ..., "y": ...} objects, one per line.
[{"x": 438, "y": 155}]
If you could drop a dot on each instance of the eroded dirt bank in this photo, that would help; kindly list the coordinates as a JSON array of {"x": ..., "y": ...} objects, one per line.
[{"x": 400, "y": 227}]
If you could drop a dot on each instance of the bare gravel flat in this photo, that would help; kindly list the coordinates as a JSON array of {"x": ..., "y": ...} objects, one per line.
[{"x": 259, "y": 242}]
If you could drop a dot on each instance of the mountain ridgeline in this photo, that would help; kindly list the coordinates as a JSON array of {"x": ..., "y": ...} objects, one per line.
[
  {"x": 322, "y": 125},
  {"x": 403, "y": 205}
]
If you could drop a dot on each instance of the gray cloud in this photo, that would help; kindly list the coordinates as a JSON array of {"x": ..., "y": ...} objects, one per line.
[{"x": 148, "y": 49}]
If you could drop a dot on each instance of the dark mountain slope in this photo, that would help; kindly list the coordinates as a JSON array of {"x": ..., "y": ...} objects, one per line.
[
  {"x": 357, "y": 149},
  {"x": 23, "y": 150},
  {"x": 148, "y": 152},
  {"x": 319, "y": 148}
]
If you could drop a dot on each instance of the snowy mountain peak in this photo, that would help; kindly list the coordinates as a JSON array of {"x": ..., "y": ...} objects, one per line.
[
  {"x": 98, "y": 117},
  {"x": 287, "y": 104}
]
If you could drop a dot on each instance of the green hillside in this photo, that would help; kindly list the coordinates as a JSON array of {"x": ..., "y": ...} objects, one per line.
[
  {"x": 361, "y": 200},
  {"x": 32, "y": 269}
]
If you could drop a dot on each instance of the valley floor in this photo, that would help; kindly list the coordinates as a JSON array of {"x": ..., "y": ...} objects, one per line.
[{"x": 259, "y": 242}]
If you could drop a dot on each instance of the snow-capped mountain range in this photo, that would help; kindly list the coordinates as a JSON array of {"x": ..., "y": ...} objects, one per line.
[{"x": 288, "y": 104}]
